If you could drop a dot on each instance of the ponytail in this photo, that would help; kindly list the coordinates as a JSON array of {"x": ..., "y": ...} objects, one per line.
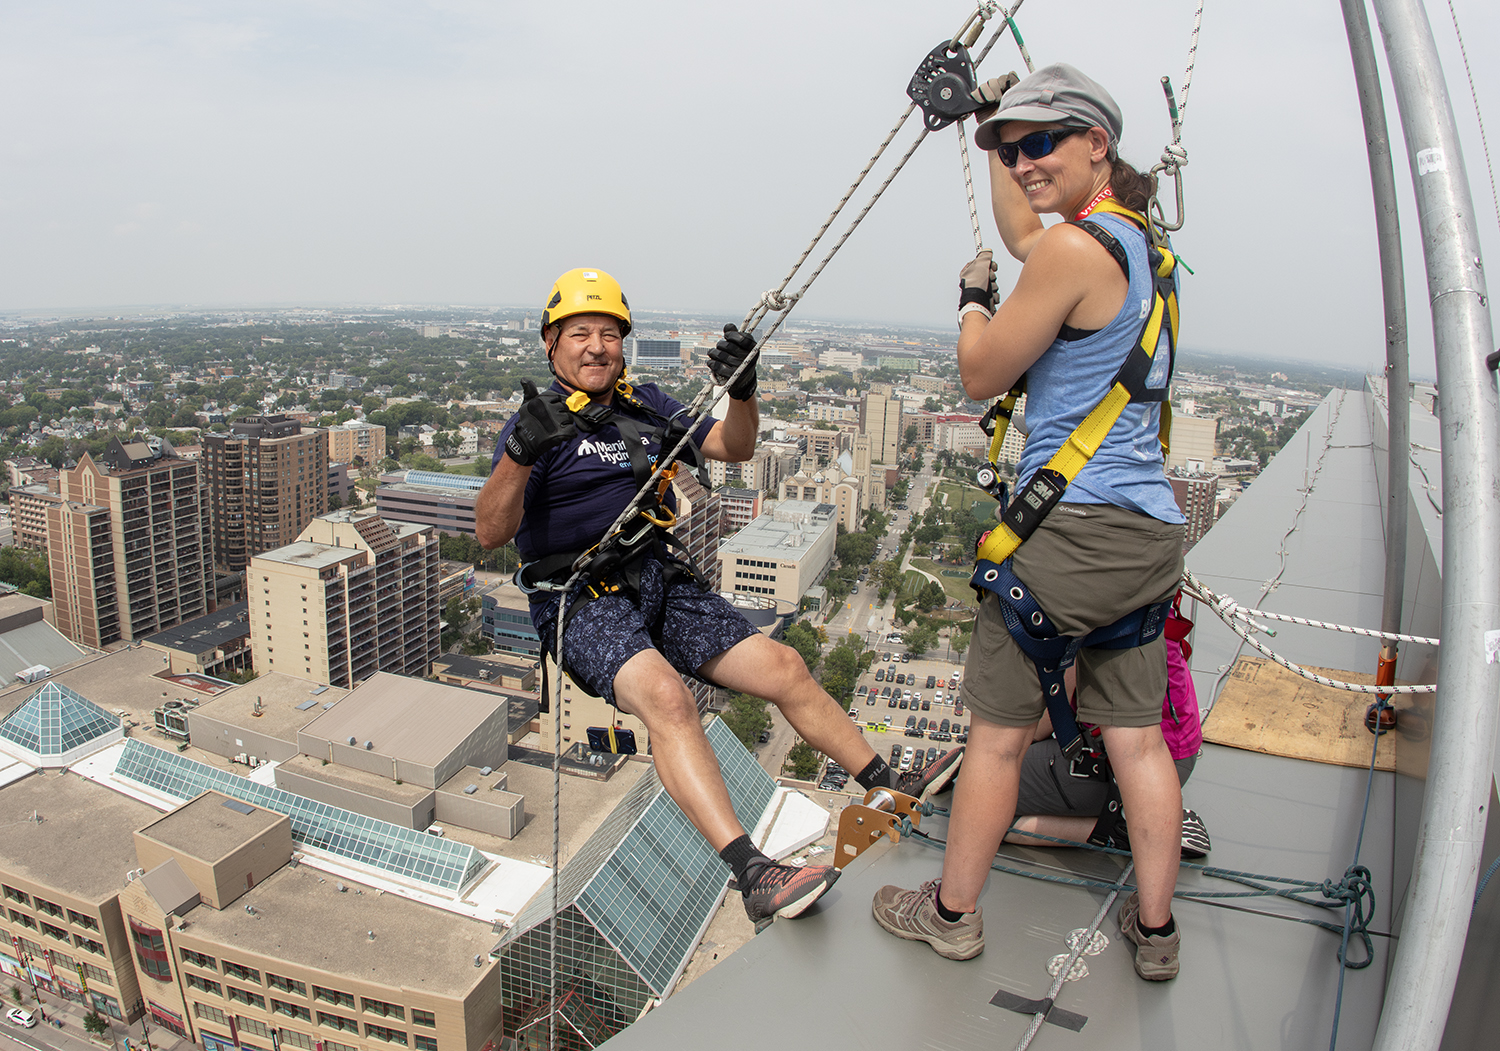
[{"x": 1131, "y": 188}]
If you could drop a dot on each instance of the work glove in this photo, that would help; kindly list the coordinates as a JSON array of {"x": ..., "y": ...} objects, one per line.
[
  {"x": 728, "y": 353},
  {"x": 976, "y": 282},
  {"x": 988, "y": 95},
  {"x": 542, "y": 422}
]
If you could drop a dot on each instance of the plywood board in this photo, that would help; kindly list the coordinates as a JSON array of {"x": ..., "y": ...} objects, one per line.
[{"x": 1265, "y": 708}]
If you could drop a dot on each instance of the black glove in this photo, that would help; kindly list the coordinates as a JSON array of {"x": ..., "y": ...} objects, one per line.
[
  {"x": 734, "y": 348},
  {"x": 976, "y": 282},
  {"x": 542, "y": 422}
]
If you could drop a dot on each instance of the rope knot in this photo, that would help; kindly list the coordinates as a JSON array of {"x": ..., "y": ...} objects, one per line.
[
  {"x": 1356, "y": 893},
  {"x": 774, "y": 300},
  {"x": 1173, "y": 157}
]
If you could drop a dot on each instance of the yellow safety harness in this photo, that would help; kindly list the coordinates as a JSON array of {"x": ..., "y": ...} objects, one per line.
[{"x": 1045, "y": 488}]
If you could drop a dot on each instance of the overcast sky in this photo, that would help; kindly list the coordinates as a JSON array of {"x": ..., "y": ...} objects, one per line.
[{"x": 462, "y": 152}]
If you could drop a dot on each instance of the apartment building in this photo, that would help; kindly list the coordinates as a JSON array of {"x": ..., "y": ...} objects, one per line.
[
  {"x": 356, "y": 438},
  {"x": 28, "y": 514},
  {"x": 352, "y": 595},
  {"x": 267, "y": 478},
  {"x": 128, "y": 545},
  {"x": 880, "y": 421}
]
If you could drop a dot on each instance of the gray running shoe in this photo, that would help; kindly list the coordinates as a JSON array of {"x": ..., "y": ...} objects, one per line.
[
  {"x": 1195, "y": 842},
  {"x": 912, "y": 914},
  {"x": 1155, "y": 957}
]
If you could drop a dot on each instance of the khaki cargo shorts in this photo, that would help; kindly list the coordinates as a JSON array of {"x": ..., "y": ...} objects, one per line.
[{"x": 1088, "y": 565}]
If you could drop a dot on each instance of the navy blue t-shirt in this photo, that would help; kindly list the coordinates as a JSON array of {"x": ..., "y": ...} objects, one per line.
[{"x": 577, "y": 489}]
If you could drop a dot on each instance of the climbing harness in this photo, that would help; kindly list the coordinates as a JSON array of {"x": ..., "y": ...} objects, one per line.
[
  {"x": 1027, "y": 623},
  {"x": 1045, "y": 488}
]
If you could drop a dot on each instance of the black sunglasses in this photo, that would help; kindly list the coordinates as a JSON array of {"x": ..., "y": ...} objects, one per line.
[{"x": 1036, "y": 145}]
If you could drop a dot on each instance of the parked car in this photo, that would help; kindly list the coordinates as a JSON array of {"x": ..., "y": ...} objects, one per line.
[
  {"x": 891, "y": 703},
  {"x": 958, "y": 707},
  {"x": 931, "y": 681},
  {"x": 943, "y": 727},
  {"x": 885, "y": 656},
  {"x": 937, "y": 696},
  {"x": 765, "y": 735},
  {"x": 922, "y": 725},
  {"x": 932, "y": 754},
  {"x": 26, "y": 1020},
  {"x": 885, "y": 692},
  {"x": 927, "y": 706},
  {"x": 895, "y": 753},
  {"x": 906, "y": 658},
  {"x": 907, "y": 695},
  {"x": 863, "y": 689},
  {"x": 916, "y": 698},
  {"x": 880, "y": 675},
  {"x": 906, "y": 757},
  {"x": 870, "y": 699},
  {"x": 917, "y": 762},
  {"x": 903, "y": 704}
]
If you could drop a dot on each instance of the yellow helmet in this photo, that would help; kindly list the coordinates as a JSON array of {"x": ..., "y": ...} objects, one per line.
[{"x": 586, "y": 292}]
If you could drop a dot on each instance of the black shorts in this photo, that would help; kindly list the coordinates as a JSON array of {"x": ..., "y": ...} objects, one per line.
[
  {"x": 1048, "y": 786},
  {"x": 689, "y": 626}
]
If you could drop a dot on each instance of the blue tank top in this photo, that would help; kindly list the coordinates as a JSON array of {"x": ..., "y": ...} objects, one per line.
[{"x": 1071, "y": 378}]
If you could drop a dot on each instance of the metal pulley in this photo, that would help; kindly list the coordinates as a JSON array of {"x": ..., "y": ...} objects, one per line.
[
  {"x": 988, "y": 479},
  {"x": 943, "y": 85}
]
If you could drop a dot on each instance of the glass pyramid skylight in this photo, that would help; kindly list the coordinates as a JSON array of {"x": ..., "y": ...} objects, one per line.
[{"x": 55, "y": 721}]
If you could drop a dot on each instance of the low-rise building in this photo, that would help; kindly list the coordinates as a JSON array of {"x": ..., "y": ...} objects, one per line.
[{"x": 781, "y": 554}]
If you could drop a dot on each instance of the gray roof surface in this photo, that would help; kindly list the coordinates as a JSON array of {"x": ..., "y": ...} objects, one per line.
[
  {"x": 206, "y": 829},
  {"x": 1248, "y": 981},
  {"x": 301, "y": 917},
  {"x": 279, "y": 695},
  {"x": 85, "y": 841},
  {"x": 125, "y": 678},
  {"x": 407, "y": 718},
  {"x": 170, "y": 887},
  {"x": 37, "y": 643},
  {"x": 307, "y": 553}
]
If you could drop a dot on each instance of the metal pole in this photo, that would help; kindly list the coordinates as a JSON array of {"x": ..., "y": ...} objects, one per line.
[
  {"x": 1451, "y": 834},
  {"x": 1393, "y": 290}
]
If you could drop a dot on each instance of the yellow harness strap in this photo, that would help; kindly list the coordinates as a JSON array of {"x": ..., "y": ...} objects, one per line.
[{"x": 1032, "y": 503}]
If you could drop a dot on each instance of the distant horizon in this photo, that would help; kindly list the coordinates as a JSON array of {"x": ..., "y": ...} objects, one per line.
[{"x": 146, "y": 312}]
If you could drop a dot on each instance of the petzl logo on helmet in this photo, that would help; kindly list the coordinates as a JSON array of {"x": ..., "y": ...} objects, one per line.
[{"x": 594, "y": 298}]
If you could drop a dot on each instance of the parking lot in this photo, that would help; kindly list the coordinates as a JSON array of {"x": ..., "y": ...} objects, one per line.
[{"x": 896, "y": 694}]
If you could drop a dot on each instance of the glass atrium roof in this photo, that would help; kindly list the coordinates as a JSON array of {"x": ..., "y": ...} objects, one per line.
[
  {"x": 55, "y": 720},
  {"x": 402, "y": 852},
  {"x": 446, "y": 481},
  {"x": 646, "y": 879}
]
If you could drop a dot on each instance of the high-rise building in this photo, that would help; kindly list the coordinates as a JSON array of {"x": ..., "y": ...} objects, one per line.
[
  {"x": 1197, "y": 496},
  {"x": 267, "y": 478},
  {"x": 127, "y": 545},
  {"x": 356, "y": 438},
  {"x": 880, "y": 421},
  {"x": 352, "y": 595},
  {"x": 1193, "y": 438},
  {"x": 28, "y": 513}
]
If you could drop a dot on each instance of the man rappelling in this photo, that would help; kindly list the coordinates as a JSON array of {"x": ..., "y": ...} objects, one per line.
[{"x": 567, "y": 465}]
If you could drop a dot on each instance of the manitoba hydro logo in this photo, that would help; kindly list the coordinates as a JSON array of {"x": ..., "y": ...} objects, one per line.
[{"x": 610, "y": 452}]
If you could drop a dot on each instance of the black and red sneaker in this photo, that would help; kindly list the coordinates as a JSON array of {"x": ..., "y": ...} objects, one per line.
[
  {"x": 933, "y": 779},
  {"x": 786, "y": 891}
]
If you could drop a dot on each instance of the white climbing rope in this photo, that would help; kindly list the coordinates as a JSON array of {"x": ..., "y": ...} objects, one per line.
[
  {"x": 1234, "y": 616},
  {"x": 1225, "y": 606},
  {"x": 963, "y": 152},
  {"x": 983, "y": 13}
]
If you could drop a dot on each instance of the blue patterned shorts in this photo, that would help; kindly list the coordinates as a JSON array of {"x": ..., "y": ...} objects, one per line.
[{"x": 688, "y": 626}]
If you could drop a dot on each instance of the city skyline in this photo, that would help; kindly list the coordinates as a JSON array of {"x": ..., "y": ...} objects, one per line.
[{"x": 450, "y": 153}]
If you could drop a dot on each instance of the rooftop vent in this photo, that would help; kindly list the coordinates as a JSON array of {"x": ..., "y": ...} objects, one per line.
[
  {"x": 485, "y": 771},
  {"x": 353, "y": 740},
  {"x": 470, "y": 789},
  {"x": 369, "y": 745}
]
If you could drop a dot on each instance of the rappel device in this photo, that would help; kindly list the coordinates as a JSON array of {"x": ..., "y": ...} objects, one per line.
[{"x": 943, "y": 85}]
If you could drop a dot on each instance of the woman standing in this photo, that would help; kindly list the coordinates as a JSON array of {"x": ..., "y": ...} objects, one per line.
[{"x": 1111, "y": 546}]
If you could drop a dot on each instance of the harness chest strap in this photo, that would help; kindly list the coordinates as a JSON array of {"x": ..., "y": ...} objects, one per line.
[{"x": 1046, "y": 487}]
